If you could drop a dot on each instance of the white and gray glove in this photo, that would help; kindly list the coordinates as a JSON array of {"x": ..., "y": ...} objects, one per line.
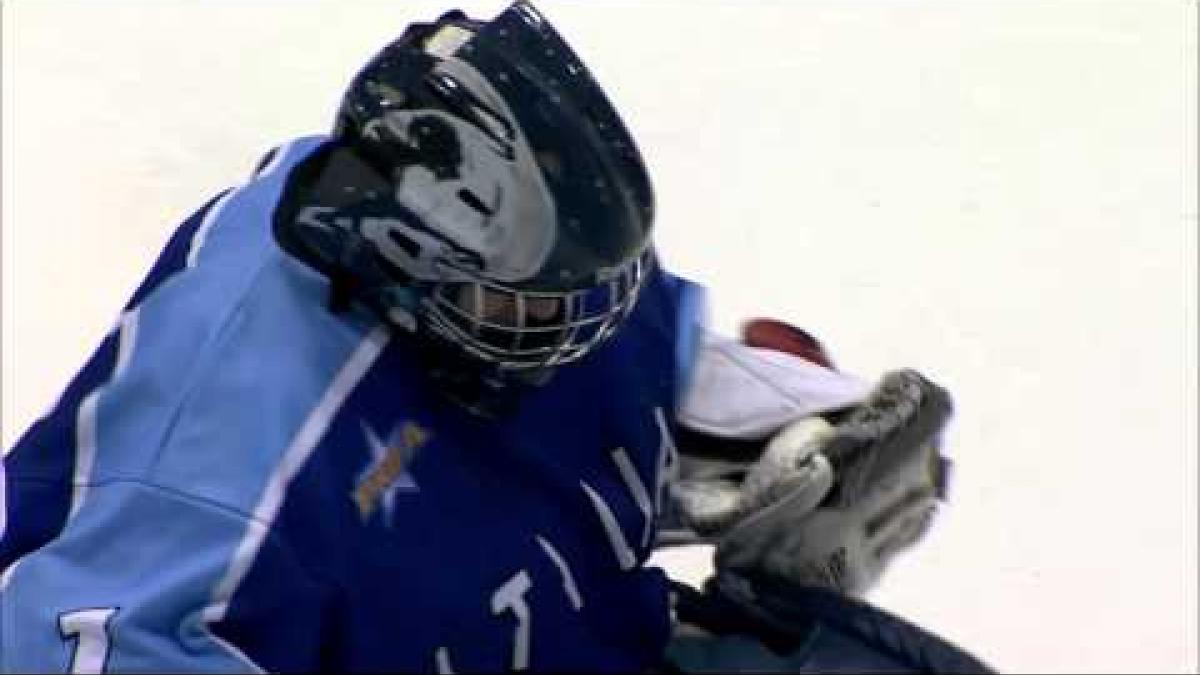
[{"x": 830, "y": 499}]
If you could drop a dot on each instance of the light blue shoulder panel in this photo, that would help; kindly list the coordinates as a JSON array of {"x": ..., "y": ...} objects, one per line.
[{"x": 220, "y": 369}]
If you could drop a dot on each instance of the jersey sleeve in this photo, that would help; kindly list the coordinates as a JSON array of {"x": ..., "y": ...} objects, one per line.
[
  {"x": 131, "y": 506},
  {"x": 106, "y": 566},
  {"x": 128, "y": 586},
  {"x": 682, "y": 307},
  {"x": 45, "y": 456},
  {"x": 727, "y": 389}
]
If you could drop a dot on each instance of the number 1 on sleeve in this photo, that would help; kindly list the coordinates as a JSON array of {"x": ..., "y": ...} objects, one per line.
[{"x": 91, "y": 631}]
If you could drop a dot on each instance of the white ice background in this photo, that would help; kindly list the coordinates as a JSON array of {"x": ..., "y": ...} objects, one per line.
[{"x": 1000, "y": 194}]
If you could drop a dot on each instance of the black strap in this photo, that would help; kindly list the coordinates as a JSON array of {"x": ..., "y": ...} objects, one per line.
[{"x": 788, "y": 621}]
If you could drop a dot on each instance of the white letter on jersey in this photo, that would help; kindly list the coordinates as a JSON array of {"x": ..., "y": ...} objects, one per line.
[
  {"x": 90, "y": 630},
  {"x": 568, "y": 579},
  {"x": 667, "y": 460},
  {"x": 625, "y": 556},
  {"x": 641, "y": 496},
  {"x": 511, "y": 596}
]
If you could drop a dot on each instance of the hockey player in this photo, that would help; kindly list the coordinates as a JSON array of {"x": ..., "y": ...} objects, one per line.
[{"x": 420, "y": 396}]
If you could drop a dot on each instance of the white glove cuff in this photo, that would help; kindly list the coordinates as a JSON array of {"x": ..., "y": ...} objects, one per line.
[{"x": 749, "y": 393}]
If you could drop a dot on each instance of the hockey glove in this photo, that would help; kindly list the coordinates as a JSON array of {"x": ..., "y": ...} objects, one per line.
[{"x": 831, "y": 498}]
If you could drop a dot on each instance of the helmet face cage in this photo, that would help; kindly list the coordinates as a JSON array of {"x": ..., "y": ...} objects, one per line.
[{"x": 582, "y": 320}]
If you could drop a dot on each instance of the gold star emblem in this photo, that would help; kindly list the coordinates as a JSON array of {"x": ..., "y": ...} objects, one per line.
[{"x": 386, "y": 473}]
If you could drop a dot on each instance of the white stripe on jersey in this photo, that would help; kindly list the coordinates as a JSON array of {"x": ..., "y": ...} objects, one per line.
[
  {"x": 129, "y": 327},
  {"x": 205, "y": 225},
  {"x": 251, "y": 666},
  {"x": 568, "y": 579},
  {"x": 85, "y": 417},
  {"x": 637, "y": 488},
  {"x": 667, "y": 460},
  {"x": 616, "y": 537},
  {"x": 215, "y": 211},
  {"x": 8, "y": 573},
  {"x": 297, "y": 453},
  {"x": 85, "y": 449}
]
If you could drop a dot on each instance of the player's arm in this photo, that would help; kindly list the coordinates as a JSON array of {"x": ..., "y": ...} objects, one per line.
[
  {"x": 122, "y": 544},
  {"x": 101, "y": 570},
  {"x": 133, "y": 583},
  {"x": 47, "y": 456},
  {"x": 796, "y": 471},
  {"x": 808, "y": 481}
]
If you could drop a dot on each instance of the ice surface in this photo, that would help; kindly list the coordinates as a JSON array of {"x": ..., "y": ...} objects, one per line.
[{"x": 1001, "y": 195}]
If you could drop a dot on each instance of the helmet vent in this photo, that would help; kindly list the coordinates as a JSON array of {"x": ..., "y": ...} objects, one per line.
[
  {"x": 412, "y": 248},
  {"x": 470, "y": 199}
]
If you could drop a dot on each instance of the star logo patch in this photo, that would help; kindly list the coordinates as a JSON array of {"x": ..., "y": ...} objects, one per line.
[{"x": 386, "y": 473}]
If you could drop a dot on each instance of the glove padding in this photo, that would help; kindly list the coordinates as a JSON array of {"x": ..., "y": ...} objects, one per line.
[{"x": 831, "y": 499}]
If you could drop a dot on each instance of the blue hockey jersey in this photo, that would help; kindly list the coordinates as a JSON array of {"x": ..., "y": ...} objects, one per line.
[{"x": 239, "y": 479}]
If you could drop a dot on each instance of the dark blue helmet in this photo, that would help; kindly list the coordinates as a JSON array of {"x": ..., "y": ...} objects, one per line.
[{"x": 489, "y": 195}]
